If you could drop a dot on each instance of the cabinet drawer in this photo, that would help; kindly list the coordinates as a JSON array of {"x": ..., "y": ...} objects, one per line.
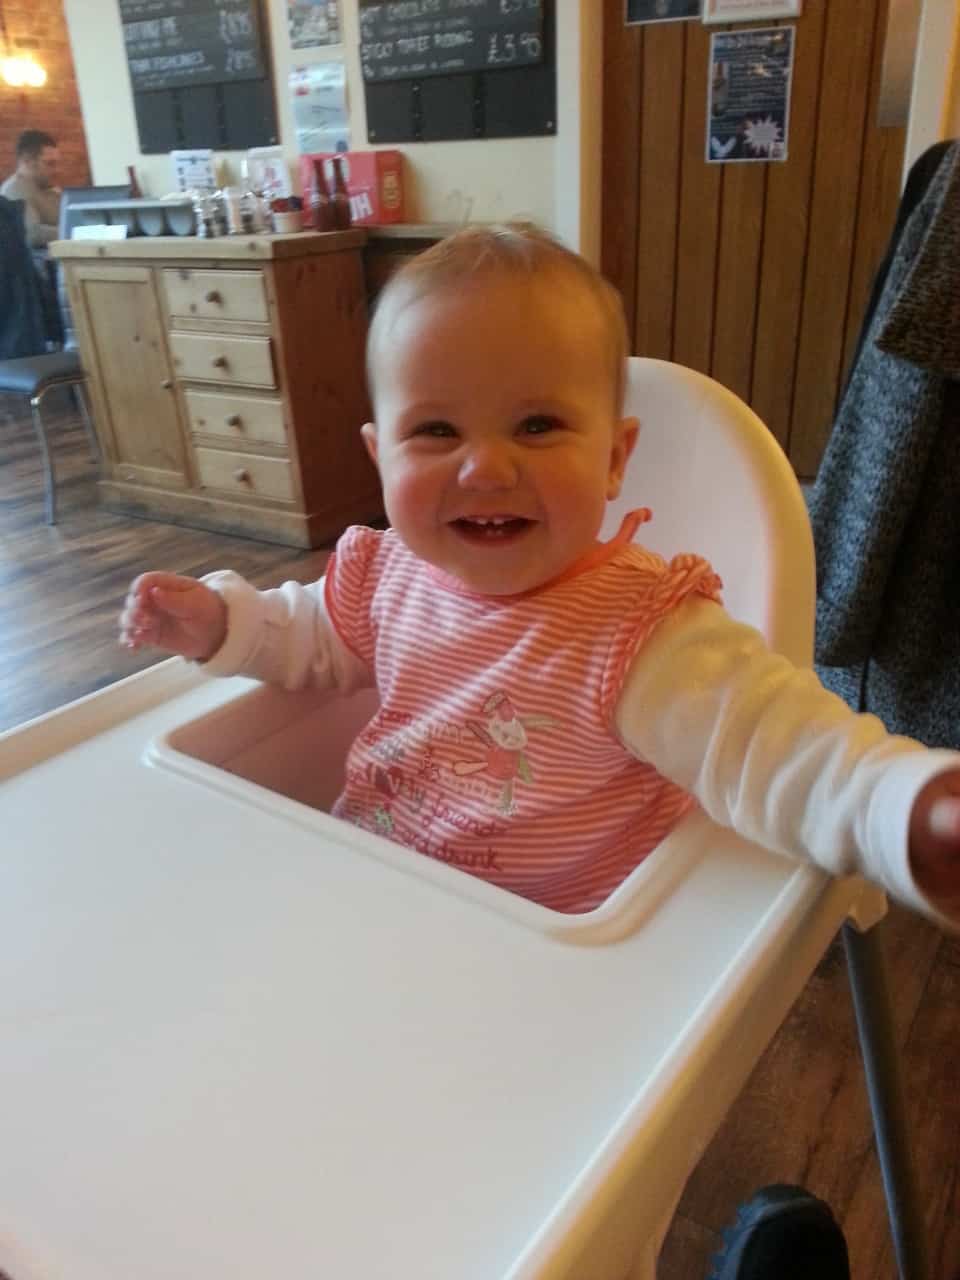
[
  {"x": 237, "y": 418},
  {"x": 216, "y": 295},
  {"x": 245, "y": 473},
  {"x": 217, "y": 357}
]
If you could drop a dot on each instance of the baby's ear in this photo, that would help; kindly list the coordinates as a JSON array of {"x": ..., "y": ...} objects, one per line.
[
  {"x": 629, "y": 430},
  {"x": 624, "y": 438},
  {"x": 369, "y": 433}
]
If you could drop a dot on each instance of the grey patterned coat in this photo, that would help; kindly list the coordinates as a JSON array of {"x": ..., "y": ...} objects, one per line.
[{"x": 886, "y": 504}]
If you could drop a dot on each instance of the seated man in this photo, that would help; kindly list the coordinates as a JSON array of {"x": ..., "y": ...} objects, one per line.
[{"x": 33, "y": 183}]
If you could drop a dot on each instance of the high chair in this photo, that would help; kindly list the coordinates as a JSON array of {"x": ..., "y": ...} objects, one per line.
[{"x": 242, "y": 1038}]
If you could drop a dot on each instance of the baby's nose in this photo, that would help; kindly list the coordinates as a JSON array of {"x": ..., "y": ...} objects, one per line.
[{"x": 488, "y": 466}]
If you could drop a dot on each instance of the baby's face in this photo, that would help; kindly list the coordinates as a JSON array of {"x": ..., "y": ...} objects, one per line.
[{"x": 496, "y": 434}]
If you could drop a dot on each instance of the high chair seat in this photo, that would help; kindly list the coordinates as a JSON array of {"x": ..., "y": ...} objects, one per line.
[{"x": 242, "y": 1038}]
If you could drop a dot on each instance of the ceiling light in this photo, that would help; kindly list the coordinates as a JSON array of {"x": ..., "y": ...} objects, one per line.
[{"x": 22, "y": 72}]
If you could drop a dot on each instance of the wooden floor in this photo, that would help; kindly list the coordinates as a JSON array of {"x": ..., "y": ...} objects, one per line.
[
  {"x": 803, "y": 1117},
  {"x": 62, "y": 585}
]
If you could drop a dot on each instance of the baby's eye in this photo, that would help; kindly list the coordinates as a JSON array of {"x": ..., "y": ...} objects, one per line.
[
  {"x": 437, "y": 430},
  {"x": 538, "y": 424}
]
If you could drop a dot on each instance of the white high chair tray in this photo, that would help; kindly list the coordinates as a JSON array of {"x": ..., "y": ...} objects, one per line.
[{"x": 239, "y": 1043}]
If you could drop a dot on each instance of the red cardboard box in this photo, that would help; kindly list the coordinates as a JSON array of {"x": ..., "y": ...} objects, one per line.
[{"x": 374, "y": 183}]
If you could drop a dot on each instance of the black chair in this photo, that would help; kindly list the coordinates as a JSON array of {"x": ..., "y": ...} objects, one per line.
[
  {"x": 34, "y": 377},
  {"x": 26, "y": 368}
]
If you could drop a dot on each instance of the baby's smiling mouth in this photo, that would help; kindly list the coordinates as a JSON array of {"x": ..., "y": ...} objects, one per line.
[{"x": 491, "y": 528}]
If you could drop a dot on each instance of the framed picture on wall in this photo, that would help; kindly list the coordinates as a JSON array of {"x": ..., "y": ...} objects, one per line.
[
  {"x": 661, "y": 11},
  {"x": 750, "y": 10},
  {"x": 748, "y": 99}
]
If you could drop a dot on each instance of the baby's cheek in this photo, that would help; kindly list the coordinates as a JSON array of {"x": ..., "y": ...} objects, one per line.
[
  {"x": 415, "y": 482},
  {"x": 411, "y": 495}
]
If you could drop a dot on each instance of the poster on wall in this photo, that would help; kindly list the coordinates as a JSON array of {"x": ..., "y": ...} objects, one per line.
[
  {"x": 318, "y": 94},
  {"x": 748, "y": 98},
  {"x": 750, "y": 10},
  {"x": 313, "y": 23},
  {"x": 661, "y": 11}
]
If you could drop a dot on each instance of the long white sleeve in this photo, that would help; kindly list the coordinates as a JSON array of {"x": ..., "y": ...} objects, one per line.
[
  {"x": 283, "y": 637},
  {"x": 769, "y": 752}
]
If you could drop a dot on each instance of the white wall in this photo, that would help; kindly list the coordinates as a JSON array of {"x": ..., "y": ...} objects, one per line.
[
  {"x": 935, "y": 100},
  {"x": 537, "y": 178}
]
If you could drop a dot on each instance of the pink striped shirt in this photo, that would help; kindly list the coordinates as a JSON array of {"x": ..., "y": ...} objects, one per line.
[{"x": 494, "y": 747}]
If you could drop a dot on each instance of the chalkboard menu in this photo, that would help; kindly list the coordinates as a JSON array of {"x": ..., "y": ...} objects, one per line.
[
  {"x": 408, "y": 39},
  {"x": 175, "y": 43}
]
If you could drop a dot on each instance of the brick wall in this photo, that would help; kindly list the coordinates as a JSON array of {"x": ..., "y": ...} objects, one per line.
[{"x": 38, "y": 28}]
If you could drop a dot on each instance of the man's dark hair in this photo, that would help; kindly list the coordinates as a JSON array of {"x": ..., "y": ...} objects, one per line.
[{"x": 31, "y": 142}]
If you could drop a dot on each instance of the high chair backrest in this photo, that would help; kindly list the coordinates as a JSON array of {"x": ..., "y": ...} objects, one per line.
[{"x": 718, "y": 484}]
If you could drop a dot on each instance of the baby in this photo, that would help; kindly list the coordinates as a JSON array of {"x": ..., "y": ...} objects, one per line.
[{"x": 550, "y": 706}]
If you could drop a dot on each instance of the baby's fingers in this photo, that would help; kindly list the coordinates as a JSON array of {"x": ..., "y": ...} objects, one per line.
[{"x": 137, "y": 630}]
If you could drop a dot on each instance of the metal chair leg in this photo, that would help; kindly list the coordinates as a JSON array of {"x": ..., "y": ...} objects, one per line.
[
  {"x": 882, "y": 1068},
  {"x": 50, "y": 479},
  {"x": 80, "y": 396}
]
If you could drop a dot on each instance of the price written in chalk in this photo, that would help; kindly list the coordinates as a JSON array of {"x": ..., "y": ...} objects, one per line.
[
  {"x": 509, "y": 48},
  {"x": 407, "y": 39},
  {"x": 200, "y": 42}
]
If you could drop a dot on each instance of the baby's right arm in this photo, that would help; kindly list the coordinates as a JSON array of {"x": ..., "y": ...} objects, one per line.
[
  {"x": 176, "y": 614},
  {"x": 281, "y": 636}
]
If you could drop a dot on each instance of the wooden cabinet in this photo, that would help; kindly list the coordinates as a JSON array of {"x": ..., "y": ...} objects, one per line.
[
  {"x": 118, "y": 315},
  {"x": 227, "y": 380}
]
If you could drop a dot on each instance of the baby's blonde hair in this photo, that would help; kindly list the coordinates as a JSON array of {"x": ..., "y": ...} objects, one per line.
[{"x": 508, "y": 250}]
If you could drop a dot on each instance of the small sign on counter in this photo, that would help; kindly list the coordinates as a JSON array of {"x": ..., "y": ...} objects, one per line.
[{"x": 193, "y": 170}]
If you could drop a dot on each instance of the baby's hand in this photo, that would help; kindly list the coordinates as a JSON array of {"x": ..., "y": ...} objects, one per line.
[
  {"x": 179, "y": 615},
  {"x": 935, "y": 841}
]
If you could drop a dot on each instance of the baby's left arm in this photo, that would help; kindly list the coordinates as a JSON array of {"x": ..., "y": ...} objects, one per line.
[{"x": 769, "y": 752}]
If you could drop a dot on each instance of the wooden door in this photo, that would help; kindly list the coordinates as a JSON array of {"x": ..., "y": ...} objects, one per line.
[
  {"x": 122, "y": 341},
  {"x": 755, "y": 273}
]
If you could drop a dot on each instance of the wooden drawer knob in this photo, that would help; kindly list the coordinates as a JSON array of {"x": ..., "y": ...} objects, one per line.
[
  {"x": 242, "y": 474},
  {"x": 166, "y": 384},
  {"x": 212, "y": 296},
  {"x": 219, "y": 362},
  {"x": 234, "y": 420}
]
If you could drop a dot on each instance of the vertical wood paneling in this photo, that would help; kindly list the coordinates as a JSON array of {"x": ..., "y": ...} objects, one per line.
[
  {"x": 833, "y": 215},
  {"x": 738, "y": 274},
  {"x": 785, "y": 235},
  {"x": 621, "y": 156},
  {"x": 880, "y": 175},
  {"x": 699, "y": 227},
  {"x": 660, "y": 124},
  {"x": 754, "y": 273}
]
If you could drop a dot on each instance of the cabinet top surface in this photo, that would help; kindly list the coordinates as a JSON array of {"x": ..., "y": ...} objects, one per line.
[{"x": 223, "y": 248}]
